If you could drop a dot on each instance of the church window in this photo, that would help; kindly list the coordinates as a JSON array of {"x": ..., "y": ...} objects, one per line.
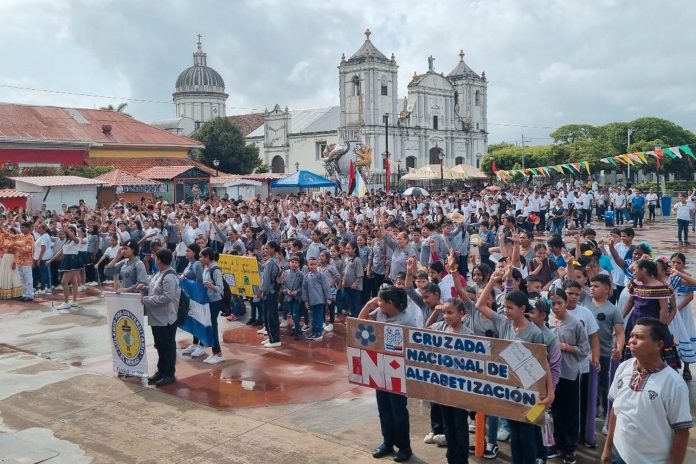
[
  {"x": 456, "y": 97},
  {"x": 356, "y": 86},
  {"x": 477, "y": 126},
  {"x": 385, "y": 90},
  {"x": 477, "y": 98},
  {"x": 410, "y": 162},
  {"x": 321, "y": 146},
  {"x": 458, "y": 160},
  {"x": 435, "y": 122}
]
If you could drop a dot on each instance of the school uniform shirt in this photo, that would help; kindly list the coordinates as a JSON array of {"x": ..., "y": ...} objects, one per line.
[
  {"x": 572, "y": 332},
  {"x": 442, "y": 326},
  {"x": 43, "y": 240},
  {"x": 352, "y": 271},
  {"x": 607, "y": 315},
  {"x": 506, "y": 331},
  {"x": 588, "y": 320},
  {"x": 684, "y": 210},
  {"x": 292, "y": 280},
  {"x": 648, "y": 413},
  {"x": 315, "y": 288}
]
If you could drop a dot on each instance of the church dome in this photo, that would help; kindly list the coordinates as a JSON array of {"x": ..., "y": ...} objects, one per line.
[{"x": 200, "y": 77}]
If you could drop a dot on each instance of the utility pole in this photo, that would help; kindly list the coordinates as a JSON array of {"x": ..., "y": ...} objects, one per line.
[
  {"x": 386, "y": 151},
  {"x": 523, "y": 153},
  {"x": 628, "y": 144}
]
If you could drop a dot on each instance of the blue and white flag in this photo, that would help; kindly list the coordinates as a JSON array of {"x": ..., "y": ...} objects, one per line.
[{"x": 198, "y": 323}]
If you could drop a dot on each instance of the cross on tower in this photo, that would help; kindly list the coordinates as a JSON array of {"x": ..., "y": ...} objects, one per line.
[
  {"x": 200, "y": 44},
  {"x": 461, "y": 55},
  {"x": 368, "y": 33}
]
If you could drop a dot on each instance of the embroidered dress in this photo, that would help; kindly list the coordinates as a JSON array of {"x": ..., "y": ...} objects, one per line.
[
  {"x": 10, "y": 281},
  {"x": 685, "y": 314},
  {"x": 686, "y": 341},
  {"x": 646, "y": 300}
]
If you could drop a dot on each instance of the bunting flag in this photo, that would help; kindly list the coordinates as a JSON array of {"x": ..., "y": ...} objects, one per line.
[
  {"x": 351, "y": 178},
  {"x": 632, "y": 159}
]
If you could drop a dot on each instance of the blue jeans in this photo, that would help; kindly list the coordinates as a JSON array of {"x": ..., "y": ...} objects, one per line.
[
  {"x": 44, "y": 276},
  {"x": 215, "y": 307},
  {"x": 317, "y": 319},
  {"x": 257, "y": 310},
  {"x": 638, "y": 215},
  {"x": 293, "y": 307},
  {"x": 354, "y": 300},
  {"x": 557, "y": 227}
]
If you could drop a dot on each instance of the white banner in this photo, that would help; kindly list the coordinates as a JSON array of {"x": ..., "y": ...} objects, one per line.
[{"x": 126, "y": 322}]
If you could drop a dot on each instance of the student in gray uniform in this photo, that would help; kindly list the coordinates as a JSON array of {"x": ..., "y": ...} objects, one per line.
[
  {"x": 213, "y": 282},
  {"x": 292, "y": 294},
  {"x": 315, "y": 295},
  {"x": 128, "y": 267},
  {"x": 352, "y": 278},
  {"x": 377, "y": 266},
  {"x": 574, "y": 348}
]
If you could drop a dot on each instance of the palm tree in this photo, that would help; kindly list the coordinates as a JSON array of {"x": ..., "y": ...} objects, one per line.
[{"x": 121, "y": 108}]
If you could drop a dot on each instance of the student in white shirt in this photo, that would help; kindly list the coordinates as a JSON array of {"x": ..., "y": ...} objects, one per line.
[
  {"x": 651, "y": 200},
  {"x": 683, "y": 209},
  {"x": 43, "y": 251}
]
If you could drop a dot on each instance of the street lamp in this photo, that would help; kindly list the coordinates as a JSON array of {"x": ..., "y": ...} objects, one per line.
[
  {"x": 478, "y": 160},
  {"x": 398, "y": 174},
  {"x": 10, "y": 166},
  {"x": 297, "y": 166},
  {"x": 216, "y": 163},
  {"x": 442, "y": 169}
]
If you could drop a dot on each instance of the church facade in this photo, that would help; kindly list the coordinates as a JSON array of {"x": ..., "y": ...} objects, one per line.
[{"x": 442, "y": 115}]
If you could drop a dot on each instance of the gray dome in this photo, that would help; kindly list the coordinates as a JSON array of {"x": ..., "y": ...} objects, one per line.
[{"x": 200, "y": 79}]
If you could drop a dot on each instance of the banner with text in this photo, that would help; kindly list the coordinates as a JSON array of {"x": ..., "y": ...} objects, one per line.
[
  {"x": 241, "y": 274},
  {"x": 126, "y": 323},
  {"x": 503, "y": 378}
]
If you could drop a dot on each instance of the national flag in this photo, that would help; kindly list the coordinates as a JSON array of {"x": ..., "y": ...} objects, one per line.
[
  {"x": 494, "y": 168},
  {"x": 198, "y": 323},
  {"x": 351, "y": 178},
  {"x": 360, "y": 187},
  {"x": 387, "y": 166}
]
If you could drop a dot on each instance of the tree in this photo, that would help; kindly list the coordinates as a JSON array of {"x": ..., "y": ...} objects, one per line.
[
  {"x": 224, "y": 141},
  {"x": 121, "y": 108},
  {"x": 573, "y": 133},
  {"x": 262, "y": 169}
]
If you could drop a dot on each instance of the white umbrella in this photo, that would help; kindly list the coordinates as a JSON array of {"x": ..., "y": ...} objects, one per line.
[{"x": 415, "y": 191}]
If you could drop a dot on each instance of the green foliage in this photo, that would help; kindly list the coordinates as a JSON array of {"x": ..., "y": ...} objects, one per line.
[
  {"x": 262, "y": 169},
  {"x": 673, "y": 188},
  {"x": 507, "y": 155},
  {"x": 224, "y": 141},
  {"x": 89, "y": 172},
  {"x": 572, "y": 133}
]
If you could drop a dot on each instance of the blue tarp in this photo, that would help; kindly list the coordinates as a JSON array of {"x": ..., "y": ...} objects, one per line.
[{"x": 303, "y": 179}]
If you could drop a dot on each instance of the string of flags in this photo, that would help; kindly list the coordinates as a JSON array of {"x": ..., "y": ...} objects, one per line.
[{"x": 632, "y": 159}]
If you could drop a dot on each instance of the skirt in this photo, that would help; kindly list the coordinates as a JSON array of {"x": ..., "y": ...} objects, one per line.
[
  {"x": 70, "y": 263},
  {"x": 84, "y": 258},
  {"x": 687, "y": 317},
  {"x": 685, "y": 349},
  {"x": 10, "y": 281}
]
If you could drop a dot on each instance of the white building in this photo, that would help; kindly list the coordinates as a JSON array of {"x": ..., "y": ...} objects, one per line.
[
  {"x": 200, "y": 96},
  {"x": 56, "y": 191},
  {"x": 441, "y": 113}
]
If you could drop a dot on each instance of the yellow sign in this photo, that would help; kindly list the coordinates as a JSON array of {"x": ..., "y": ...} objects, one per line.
[{"x": 241, "y": 274}]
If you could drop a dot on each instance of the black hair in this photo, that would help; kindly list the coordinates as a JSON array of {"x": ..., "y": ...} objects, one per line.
[
  {"x": 533, "y": 278},
  {"x": 458, "y": 304},
  {"x": 485, "y": 270},
  {"x": 570, "y": 283},
  {"x": 196, "y": 249},
  {"x": 648, "y": 266},
  {"x": 628, "y": 231},
  {"x": 556, "y": 241},
  {"x": 679, "y": 256},
  {"x": 602, "y": 279},
  {"x": 433, "y": 288},
  {"x": 518, "y": 298},
  {"x": 395, "y": 295},
  {"x": 560, "y": 292},
  {"x": 658, "y": 329},
  {"x": 133, "y": 245},
  {"x": 210, "y": 254},
  {"x": 437, "y": 266},
  {"x": 274, "y": 245},
  {"x": 165, "y": 256}
]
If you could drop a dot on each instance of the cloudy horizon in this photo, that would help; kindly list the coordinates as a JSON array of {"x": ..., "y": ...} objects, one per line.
[{"x": 548, "y": 63}]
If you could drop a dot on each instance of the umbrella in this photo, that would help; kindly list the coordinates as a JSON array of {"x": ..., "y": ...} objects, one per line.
[{"x": 416, "y": 191}]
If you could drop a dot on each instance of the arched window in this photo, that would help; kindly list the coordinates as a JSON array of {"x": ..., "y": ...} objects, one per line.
[
  {"x": 477, "y": 98},
  {"x": 356, "y": 85},
  {"x": 410, "y": 162},
  {"x": 278, "y": 165},
  {"x": 435, "y": 155},
  {"x": 458, "y": 160}
]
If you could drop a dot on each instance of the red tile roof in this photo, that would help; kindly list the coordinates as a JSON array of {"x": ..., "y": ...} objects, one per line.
[
  {"x": 165, "y": 172},
  {"x": 248, "y": 122},
  {"x": 121, "y": 177},
  {"x": 50, "y": 123},
  {"x": 57, "y": 181},
  {"x": 12, "y": 193},
  {"x": 138, "y": 165}
]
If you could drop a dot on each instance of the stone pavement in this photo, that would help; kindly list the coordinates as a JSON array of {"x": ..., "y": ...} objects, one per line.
[{"x": 60, "y": 402}]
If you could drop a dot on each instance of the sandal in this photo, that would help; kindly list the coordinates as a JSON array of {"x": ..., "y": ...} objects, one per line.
[{"x": 686, "y": 375}]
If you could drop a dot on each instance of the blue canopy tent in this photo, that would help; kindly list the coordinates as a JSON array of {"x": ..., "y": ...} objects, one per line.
[{"x": 303, "y": 180}]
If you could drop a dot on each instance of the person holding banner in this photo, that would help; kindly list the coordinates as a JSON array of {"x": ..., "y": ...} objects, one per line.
[
  {"x": 390, "y": 306},
  {"x": 161, "y": 302},
  {"x": 193, "y": 271}
]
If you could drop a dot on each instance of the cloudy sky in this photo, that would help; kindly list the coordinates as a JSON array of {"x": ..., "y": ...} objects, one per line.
[{"x": 548, "y": 62}]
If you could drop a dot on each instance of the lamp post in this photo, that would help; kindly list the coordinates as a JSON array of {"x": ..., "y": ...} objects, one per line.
[
  {"x": 398, "y": 174},
  {"x": 441, "y": 155},
  {"x": 478, "y": 160},
  {"x": 216, "y": 163},
  {"x": 297, "y": 166}
]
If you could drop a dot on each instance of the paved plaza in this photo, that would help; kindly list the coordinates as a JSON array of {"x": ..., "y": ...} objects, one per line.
[{"x": 61, "y": 403}]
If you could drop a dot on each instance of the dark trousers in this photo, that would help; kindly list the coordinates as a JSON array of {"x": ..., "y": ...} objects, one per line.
[
  {"x": 565, "y": 411},
  {"x": 463, "y": 265},
  {"x": 331, "y": 309},
  {"x": 523, "y": 442},
  {"x": 270, "y": 315},
  {"x": 393, "y": 419},
  {"x": 44, "y": 275},
  {"x": 368, "y": 283},
  {"x": 683, "y": 230},
  {"x": 617, "y": 293},
  {"x": 165, "y": 344},
  {"x": 353, "y": 300},
  {"x": 377, "y": 281},
  {"x": 638, "y": 215},
  {"x": 215, "y": 307},
  {"x": 457, "y": 434},
  {"x": 542, "y": 220},
  {"x": 181, "y": 263},
  {"x": 257, "y": 310},
  {"x": 651, "y": 212},
  {"x": 436, "y": 421},
  {"x": 619, "y": 216},
  {"x": 605, "y": 378}
]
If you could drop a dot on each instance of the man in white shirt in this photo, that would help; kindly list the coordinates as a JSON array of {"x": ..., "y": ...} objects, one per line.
[
  {"x": 619, "y": 207},
  {"x": 650, "y": 418},
  {"x": 651, "y": 200}
]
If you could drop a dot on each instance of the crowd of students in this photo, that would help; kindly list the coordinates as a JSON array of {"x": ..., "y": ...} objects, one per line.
[{"x": 464, "y": 262}]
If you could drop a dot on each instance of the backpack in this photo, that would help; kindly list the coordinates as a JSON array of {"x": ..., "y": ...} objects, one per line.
[
  {"x": 226, "y": 308},
  {"x": 184, "y": 301}
]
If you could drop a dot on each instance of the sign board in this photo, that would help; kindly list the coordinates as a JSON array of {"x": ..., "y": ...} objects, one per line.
[
  {"x": 126, "y": 323},
  {"x": 241, "y": 274},
  {"x": 503, "y": 378}
]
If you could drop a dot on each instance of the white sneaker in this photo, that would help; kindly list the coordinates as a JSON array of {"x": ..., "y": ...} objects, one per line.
[
  {"x": 82, "y": 288},
  {"x": 503, "y": 435},
  {"x": 189, "y": 349},
  {"x": 74, "y": 304},
  {"x": 214, "y": 359},
  {"x": 605, "y": 430},
  {"x": 108, "y": 282},
  {"x": 272, "y": 345},
  {"x": 199, "y": 351},
  {"x": 428, "y": 439},
  {"x": 59, "y": 287},
  {"x": 40, "y": 292},
  {"x": 63, "y": 307},
  {"x": 284, "y": 323},
  {"x": 265, "y": 341},
  {"x": 92, "y": 284},
  {"x": 440, "y": 440},
  {"x": 262, "y": 332},
  {"x": 328, "y": 327},
  {"x": 472, "y": 427}
]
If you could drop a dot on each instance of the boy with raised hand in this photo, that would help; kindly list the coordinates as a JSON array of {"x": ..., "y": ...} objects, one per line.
[{"x": 611, "y": 334}]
